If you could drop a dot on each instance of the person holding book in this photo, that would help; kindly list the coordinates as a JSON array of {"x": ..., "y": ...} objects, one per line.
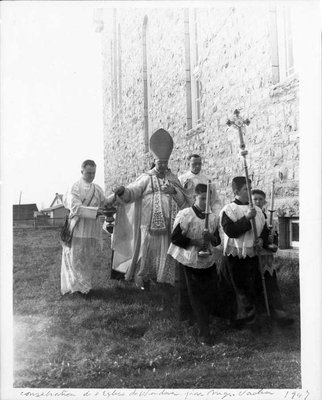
[{"x": 85, "y": 201}]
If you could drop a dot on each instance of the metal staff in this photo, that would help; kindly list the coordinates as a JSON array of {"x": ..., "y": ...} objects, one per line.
[
  {"x": 238, "y": 123},
  {"x": 109, "y": 213},
  {"x": 271, "y": 246},
  {"x": 205, "y": 251}
]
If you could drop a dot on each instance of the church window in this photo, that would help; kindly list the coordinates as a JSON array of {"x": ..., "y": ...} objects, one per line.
[
  {"x": 116, "y": 71},
  {"x": 193, "y": 72},
  {"x": 196, "y": 72},
  {"x": 282, "y": 33},
  {"x": 146, "y": 85}
]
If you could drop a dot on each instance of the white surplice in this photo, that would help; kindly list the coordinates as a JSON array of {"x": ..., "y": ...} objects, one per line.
[
  {"x": 78, "y": 261},
  {"x": 193, "y": 227}
]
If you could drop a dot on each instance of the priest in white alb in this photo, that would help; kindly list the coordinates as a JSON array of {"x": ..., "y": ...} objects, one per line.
[
  {"x": 193, "y": 177},
  {"x": 81, "y": 245}
]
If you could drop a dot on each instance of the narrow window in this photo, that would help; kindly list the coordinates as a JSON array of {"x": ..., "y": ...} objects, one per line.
[
  {"x": 281, "y": 30},
  {"x": 119, "y": 67},
  {"x": 146, "y": 85},
  {"x": 116, "y": 70},
  {"x": 193, "y": 72},
  {"x": 196, "y": 71},
  {"x": 188, "y": 68},
  {"x": 288, "y": 42},
  {"x": 274, "y": 46},
  {"x": 115, "y": 74},
  {"x": 113, "y": 107}
]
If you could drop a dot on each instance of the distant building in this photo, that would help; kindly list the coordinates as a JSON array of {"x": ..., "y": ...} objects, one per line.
[
  {"x": 187, "y": 70},
  {"x": 23, "y": 214},
  {"x": 58, "y": 200},
  {"x": 40, "y": 219},
  {"x": 56, "y": 212}
]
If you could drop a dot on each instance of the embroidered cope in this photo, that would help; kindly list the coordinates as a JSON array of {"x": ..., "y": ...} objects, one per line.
[{"x": 143, "y": 228}]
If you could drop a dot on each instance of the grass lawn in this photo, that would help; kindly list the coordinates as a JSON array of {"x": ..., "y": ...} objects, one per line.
[{"x": 124, "y": 338}]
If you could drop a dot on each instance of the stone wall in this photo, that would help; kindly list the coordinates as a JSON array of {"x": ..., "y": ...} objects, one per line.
[{"x": 235, "y": 60}]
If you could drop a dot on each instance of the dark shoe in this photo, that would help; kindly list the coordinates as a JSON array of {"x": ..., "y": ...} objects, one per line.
[
  {"x": 282, "y": 319},
  {"x": 284, "y": 322},
  {"x": 89, "y": 295},
  {"x": 77, "y": 294},
  {"x": 242, "y": 323},
  {"x": 188, "y": 321},
  {"x": 207, "y": 340},
  {"x": 237, "y": 324}
]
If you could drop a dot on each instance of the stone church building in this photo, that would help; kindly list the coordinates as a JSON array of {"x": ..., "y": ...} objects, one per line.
[{"x": 186, "y": 70}]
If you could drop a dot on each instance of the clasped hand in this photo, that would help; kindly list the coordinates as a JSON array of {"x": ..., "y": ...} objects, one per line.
[
  {"x": 251, "y": 213},
  {"x": 206, "y": 236},
  {"x": 258, "y": 244},
  {"x": 270, "y": 239},
  {"x": 168, "y": 189},
  {"x": 199, "y": 243},
  {"x": 202, "y": 243},
  {"x": 119, "y": 190},
  {"x": 100, "y": 211}
]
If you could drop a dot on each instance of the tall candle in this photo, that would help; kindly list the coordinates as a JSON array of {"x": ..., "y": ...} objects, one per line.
[
  {"x": 272, "y": 197},
  {"x": 207, "y": 210}
]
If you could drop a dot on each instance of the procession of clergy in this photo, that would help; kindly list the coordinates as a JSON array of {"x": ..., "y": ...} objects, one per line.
[{"x": 160, "y": 237}]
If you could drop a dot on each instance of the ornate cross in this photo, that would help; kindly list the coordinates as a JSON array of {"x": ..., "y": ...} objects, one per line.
[{"x": 239, "y": 123}]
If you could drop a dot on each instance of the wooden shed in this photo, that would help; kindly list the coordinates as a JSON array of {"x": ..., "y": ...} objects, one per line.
[{"x": 23, "y": 214}]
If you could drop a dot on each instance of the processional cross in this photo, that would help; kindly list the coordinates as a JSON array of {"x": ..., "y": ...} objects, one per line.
[{"x": 239, "y": 123}]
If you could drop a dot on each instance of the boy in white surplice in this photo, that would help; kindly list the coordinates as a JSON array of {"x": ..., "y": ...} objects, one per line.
[
  {"x": 196, "y": 274},
  {"x": 239, "y": 267}
]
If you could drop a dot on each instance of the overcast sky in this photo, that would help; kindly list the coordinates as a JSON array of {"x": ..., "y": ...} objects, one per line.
[{"x": 51, "y": 97}]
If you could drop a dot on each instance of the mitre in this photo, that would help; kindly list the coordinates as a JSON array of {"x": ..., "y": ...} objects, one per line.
[{"x": 161, "y": 144}]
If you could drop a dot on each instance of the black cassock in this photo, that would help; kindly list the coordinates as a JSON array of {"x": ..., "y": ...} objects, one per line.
[
  {"x": 196, "y": 286},
  {"x": 239, "y": 282}
]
